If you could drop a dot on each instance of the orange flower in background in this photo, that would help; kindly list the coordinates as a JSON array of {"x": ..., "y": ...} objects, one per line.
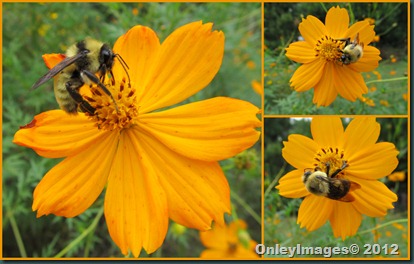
[
  {"x": 397, "y": 176},
  {"x": 156, "y": 164},
  {"x": 320, "y": 54},
  {"x": 230, "y": 241},
  {"x": 360, "y": 161}
]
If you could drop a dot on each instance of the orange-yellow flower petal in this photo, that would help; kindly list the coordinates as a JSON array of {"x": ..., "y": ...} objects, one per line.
[
  {"x": 135, "y": 211},
  {"x": 373, "y": 162},
  {"x": 301, "y": 52},
  {"x": 363, "y": 197},
  {"x": 312, "y": 218},
  {"x": 69, "y": 188},
  {"x": 206, "y": 130},
  {"x": 364, "y": 29},
  {"x": 325, "y": 90},
  {"x": 197, "y": 191},
  {"x": 299, "y": 146},
  {"x": 345, "y": 220},
  {"x": 291, "y": 185},
  {"x": 327, "y": 131},
  {"x": 351, "y": 84},
  {"x": 51, "y": 60},
  {"x": 187, "y": 62},
  {"x": 336, "y": 22},
  {"x": 312, "y": 29},
  {"x": 307, "y": 76},
  {"x": 360, "y": 133},
  {"x": 56, "y": 134},
  {"x": 139, "y": 48}
]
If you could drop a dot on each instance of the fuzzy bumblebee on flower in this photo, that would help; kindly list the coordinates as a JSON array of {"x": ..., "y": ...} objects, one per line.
[
  {"x": 154, "y": 162},
  {"x": 333, "y": 55},
  {"x": 337, "y": 173}
]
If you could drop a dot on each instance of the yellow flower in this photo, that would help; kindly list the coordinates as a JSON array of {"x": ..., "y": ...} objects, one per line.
[
  {"x": 366, "y": 161},
  {"x": 367, "y": 101},
  {"x": 156, "y": 164},
  {"x": 384, "y": 103},
  {"x": 397, "y": 176},
  {"x": 257, "y": 87},
  {"x": 320, "y": 55},
  {"x": 230, "y": 241}
]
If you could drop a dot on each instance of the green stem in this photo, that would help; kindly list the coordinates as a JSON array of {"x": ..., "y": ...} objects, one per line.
[
  {"x": 383, "y": 225},
  {"x": 246, "y": 207},
  {"x": 387, "y": 80},
  {"x": 82, "y": 236},
  {"x": 16, "y": 233},
  {"x": 275, "y": 180}
]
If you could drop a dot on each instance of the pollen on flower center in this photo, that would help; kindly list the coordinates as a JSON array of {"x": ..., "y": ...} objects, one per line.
[
  {"x": 108, "y": 115},
  {"x": 332, "y": 158},
  {"x": 329, "y": 49}
]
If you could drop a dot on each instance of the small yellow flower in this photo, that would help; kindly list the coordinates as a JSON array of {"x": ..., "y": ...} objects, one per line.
[
  {"x": 378, "y": 74},
  {"x": 366, "y": 160},
  {"x": 393, "y": 59},
  {"x": 393, "y": 72},
  {"x": 399, "y": 226},
  {"x": 367, "y": 101},
  {"x": 230, "y": 241},
  {"x": 384, "y": 103},
  {"x": 251, "y": 65},
  {"x": 54, "y": 15},
  {"x": 257, "y": 87},
  {"x": 405, "y": 96},
  {"x": 397, "y": 176},
  {"x": 320, "y": 54},
  {"x": 155, "y": 164}
]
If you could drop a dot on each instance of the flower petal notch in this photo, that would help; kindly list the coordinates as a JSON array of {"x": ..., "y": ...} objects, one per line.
[
  {"x": 154, "y": 164},
  {"x": 336, "y": 185},
  {"x": 333, "y": 55}
]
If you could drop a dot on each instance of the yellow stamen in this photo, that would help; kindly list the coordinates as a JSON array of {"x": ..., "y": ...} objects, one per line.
[
  {"x": 332, "y": 157},
  {"x": 106, "y": 115},
  {"x": 329, "y": 49}
]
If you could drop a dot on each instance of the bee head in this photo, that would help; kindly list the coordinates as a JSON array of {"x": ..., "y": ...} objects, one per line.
[{"x": 106, "y": 59}]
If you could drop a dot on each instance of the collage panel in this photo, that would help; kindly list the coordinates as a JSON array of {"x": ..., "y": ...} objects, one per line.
[
  {"x": 336, "y": 187},
  {"x": 336, "y": 58},
  {"x": 146, "y": 144}
]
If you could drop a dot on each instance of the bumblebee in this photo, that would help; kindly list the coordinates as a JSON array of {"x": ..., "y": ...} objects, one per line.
[
  {"x": 353, "y": 50},
  {"x": 83, "y": 60},
  {"x": 322, "y": 184}
]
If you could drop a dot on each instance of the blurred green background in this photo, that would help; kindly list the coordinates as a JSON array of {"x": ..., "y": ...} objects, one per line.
[
  {"x": 387, "y": 85},
  {"x": 280, "y": 213},
  {"x": 33, "y": 29}
]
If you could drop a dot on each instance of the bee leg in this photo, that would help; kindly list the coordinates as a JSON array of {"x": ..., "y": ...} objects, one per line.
[
  {"x": 346, "y": 40},
  {"x": 344, "y": 165},
  {"x": 73, "y": 92},
  {"x": 96, "y": 80}
]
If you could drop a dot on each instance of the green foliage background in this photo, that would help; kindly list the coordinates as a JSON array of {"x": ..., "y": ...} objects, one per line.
[
  {"x": 387, "y": 85},
  {"x": 280, "y": 213},
  {"x": 33, "y": 29}
]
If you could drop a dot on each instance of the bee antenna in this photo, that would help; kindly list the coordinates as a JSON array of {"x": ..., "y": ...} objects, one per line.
[{"x": 124, "y": 66}]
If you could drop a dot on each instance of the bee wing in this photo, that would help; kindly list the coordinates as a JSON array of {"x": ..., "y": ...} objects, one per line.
[
  {"x": 347, "y": 198},
  {"x": 58, "y": 68},
  {"x": 354, "y": 186}
]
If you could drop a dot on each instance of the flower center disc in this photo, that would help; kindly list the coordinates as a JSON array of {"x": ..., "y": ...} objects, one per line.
[
  {"x": 110, "y": 115},
  {"x": 332, "y": 158},
  {"x": 329, "y": 49}
]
